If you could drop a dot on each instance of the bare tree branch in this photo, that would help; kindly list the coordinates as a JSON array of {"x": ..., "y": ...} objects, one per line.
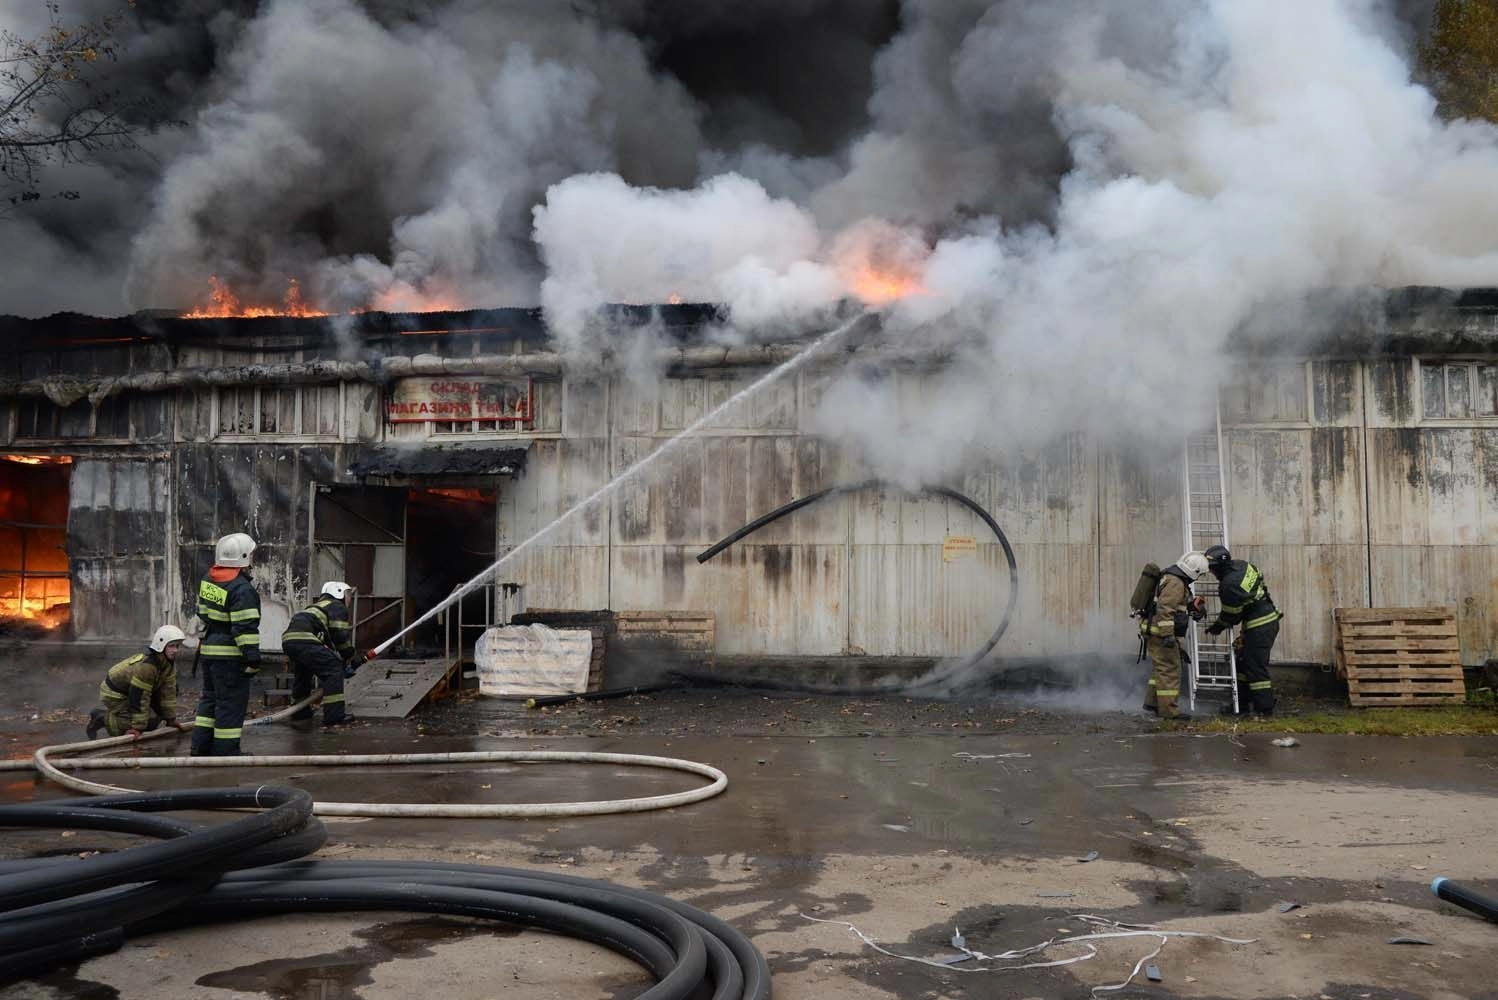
[{"x": 55, "y": 105}]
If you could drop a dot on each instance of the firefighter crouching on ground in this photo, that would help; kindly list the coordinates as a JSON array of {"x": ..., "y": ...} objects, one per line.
[
  {"x": 319, "y": 642},
  {"x": 140, "y": 693},
  {"x": 1246, "y": 603},
  {"x": 1163, "y": 628},
  {"x": 230, "y": 647}
]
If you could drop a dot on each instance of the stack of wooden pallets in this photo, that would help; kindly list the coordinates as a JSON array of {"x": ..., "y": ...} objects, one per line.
[{"x": 1399, "y": 656}]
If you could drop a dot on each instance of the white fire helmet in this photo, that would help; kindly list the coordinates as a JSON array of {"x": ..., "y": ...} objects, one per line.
[
  {"x": 165, "y": 636},
  {"x": 336, "y": 589},
  {"x": 233, "y": 550},
  {"x": 1194, "y": 563}
]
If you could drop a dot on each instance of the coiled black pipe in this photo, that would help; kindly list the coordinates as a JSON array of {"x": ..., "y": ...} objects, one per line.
[
  {"x": 937, "y": 677},
  {"x": 56, "y": 911}
]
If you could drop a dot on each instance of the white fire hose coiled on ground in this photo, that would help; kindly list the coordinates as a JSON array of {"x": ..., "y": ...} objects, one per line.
[{"x": 54, "y": 770}]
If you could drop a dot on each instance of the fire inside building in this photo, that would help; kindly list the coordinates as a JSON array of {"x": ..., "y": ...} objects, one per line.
[{"x": 404, "y": 453}]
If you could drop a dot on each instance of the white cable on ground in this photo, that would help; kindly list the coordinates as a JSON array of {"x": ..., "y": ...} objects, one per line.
[
  {"x": 1120, "y": 930},
  {"x": 408, "y": 809}
]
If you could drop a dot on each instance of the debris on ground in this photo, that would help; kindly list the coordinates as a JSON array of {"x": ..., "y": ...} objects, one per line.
[
  {"x": 1287, "y": 907},
  {"x": 1407, "y": 939},
  {"x": 1089, "y": 856},
  {"x": 1152, "y": 973},
  {"x": 1286, "y": 741}
]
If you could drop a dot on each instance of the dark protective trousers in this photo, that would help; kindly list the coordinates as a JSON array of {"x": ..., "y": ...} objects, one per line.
[
  {"x": 313, "y": 659},
  {"x": 221, "y": 708},
  {"x": 1255, "y": 692}
]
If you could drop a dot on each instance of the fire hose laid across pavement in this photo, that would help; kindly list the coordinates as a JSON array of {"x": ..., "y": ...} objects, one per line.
[
  {"x": 54, "y": 770},
  {"x": 55, "y": 911}
]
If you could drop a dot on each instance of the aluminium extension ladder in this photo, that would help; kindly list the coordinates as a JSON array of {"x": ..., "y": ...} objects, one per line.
[{"x": 1213, "y": 664}]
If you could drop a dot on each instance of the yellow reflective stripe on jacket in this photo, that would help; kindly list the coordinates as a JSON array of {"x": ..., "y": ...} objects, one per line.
[
  {"x": 331, "y": 699},
  {"x": 206, "y": 721},
  {"x": 1260, "y": 685},
  {"x": 301, "y": 637},
  {"x": 1163, "y": 693},
  {"x": 1233, "y": 609},
  {"x": 143, "y": 685},
  {"x": 248, "y": 639},
  {"x": 211, "y": 615},
  {"x": 317, "y": 612},
  {"x": 247, "y": 615},
  {"x": 1273, "y": 616},
  {"x": 227, "y": 734},
  {"x": 221, "y": 651}
]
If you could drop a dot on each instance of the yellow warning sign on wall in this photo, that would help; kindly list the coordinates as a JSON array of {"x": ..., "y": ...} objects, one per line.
[{"x": 955, "y": 547}]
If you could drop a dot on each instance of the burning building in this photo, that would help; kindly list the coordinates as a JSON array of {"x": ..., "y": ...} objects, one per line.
[{"x": 402, "y": 453}]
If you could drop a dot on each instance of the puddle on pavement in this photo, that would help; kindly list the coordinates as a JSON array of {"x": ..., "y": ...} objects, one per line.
[{"x": 338, "y": 975}]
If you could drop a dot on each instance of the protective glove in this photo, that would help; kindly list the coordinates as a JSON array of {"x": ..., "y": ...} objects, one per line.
[
  {"x": 1216, "y": 628},
  {"x": 1197, "y": 608},
  {"x": 134, "y": 734},
  {"x": 349, "y": 670}
]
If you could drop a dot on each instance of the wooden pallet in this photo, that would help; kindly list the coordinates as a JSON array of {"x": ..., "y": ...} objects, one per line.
[{"x": 1400, "y": 656}]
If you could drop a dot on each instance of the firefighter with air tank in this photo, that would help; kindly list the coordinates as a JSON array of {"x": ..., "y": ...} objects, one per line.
[{"x": 1164, "y": 604}]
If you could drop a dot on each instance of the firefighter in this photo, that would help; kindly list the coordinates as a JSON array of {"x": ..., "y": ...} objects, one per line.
[
  {"x": 230, "y": 647},
  {"x": 319, "y": 641},
  {"x": 1246, "y": 604},
  {"x": 140, "y": 693},
  {"x": 1163, "y": 629}
]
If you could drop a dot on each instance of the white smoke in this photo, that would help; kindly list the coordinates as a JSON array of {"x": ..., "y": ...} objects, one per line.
[
  {"x": 1092, "y": 198},
  {"x": 724, "y": 241},
  {"x": 1260, "y": 153}
]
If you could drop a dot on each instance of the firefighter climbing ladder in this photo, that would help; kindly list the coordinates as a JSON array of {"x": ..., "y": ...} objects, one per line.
[{"x": 1213, "y": 666}]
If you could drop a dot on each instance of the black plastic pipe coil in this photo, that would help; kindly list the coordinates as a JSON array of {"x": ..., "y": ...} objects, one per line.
[{"x": 57, "y": 911}]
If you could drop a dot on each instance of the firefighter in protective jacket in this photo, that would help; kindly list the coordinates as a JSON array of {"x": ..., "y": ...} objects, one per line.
[
  {"x": 1163, "y": 629},
  {"x": 230, "y": 650},
  {"x": 140, "y": 693},
  {"x": 1246, "y": 604},
  {"x": 319, "y": 642}
]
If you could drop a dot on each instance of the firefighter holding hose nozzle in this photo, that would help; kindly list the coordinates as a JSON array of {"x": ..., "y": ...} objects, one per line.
[{"x": 319, "y": 642}]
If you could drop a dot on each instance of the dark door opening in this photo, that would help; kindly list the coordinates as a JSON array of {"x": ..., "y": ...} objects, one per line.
[
  {"x": 35, "y": 589},
  {"x": 449, "y": 540}
]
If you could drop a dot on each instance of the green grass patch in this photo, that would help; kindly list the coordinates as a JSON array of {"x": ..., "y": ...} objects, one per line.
[{"x": 1442, "y": 720}]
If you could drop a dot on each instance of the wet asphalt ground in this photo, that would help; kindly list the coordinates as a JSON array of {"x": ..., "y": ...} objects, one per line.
[{"x": 907, "y": 819}]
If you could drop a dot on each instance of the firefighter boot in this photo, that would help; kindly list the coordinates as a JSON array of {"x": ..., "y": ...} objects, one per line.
[{"x": 96, "y": 722}]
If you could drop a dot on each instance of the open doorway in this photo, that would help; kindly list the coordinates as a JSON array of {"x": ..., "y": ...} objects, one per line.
[
  {"x": 35, "y": 590},
  {"x": 449, "y": 541},
  {"x": 405, "y": 549}
]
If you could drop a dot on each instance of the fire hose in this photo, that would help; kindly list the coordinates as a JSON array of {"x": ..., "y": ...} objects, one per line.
[
  {"x": 936, "y": 677},
  {"x": 54, "y": 769},
  {"x": 56, "y": 911},
  {"x": 1470, "y": 899}
]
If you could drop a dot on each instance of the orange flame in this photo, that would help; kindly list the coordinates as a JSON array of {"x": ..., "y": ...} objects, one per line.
[
  {"x": 224, "y": 304},
  {"x": 880, "y": 262},
  {"x": 49, "y": 613},
  {"x": 876, "y": 287},
  {"x": 405, "y": 298}
]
